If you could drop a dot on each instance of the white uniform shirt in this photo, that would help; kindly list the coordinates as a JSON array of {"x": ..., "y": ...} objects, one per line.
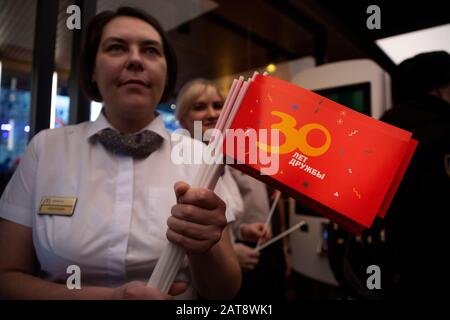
[
  {"x": 118, "y": 228},
  {"x": 255, "y": 200}
]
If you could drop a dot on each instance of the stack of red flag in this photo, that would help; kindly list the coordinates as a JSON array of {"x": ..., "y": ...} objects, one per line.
[{"x": 343, "y": 164}]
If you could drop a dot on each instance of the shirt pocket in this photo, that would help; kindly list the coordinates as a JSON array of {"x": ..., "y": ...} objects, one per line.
[{"x": 57, "y": 233}]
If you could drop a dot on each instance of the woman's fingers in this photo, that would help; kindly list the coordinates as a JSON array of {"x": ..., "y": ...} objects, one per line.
[
  {"x": 193, "y": 230},
  {"x": 254, "y": 231},
  {"x": 192, "y": 245},
  {"x": 197, "y": 215},
  {"x": 197, "y": 220},
  {"x": 136, "y": 290},
  {"x": 178, "y": 288},
  {"x": 180, "y": 188},
  {"x": 199, "y": 197}
]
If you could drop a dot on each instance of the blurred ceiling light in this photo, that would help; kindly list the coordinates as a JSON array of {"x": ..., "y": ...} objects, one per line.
[
  {"x": 5, "y": 127},
  {"x": 271, "y": 68},
  {"x": 407, "y": 45}
]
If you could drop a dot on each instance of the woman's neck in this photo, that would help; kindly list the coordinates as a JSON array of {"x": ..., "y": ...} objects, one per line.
[{"x": 128, "y": 124}]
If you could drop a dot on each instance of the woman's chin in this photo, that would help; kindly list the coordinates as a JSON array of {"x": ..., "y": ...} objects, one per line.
[{"x": 135, "y": 104}]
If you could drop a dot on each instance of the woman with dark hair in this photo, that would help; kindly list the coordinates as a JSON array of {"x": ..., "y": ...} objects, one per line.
[{"x": 89, "y": 205}]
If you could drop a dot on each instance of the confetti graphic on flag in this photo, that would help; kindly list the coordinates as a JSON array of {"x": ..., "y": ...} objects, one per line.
[{"x": 357, "y": 193}]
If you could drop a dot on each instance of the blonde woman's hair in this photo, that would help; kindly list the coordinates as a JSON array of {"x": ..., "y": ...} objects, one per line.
[{"x": 189, "y": 93}]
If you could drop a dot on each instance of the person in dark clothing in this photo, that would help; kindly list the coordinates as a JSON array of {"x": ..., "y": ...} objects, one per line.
[{"x": 418, "y": 220}]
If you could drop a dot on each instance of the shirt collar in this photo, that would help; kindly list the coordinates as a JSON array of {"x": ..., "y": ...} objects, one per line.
[{"x": 157, "y": 125}]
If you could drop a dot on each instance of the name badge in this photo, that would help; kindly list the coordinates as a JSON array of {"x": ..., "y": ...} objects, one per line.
[{"x": 63, "y": 206}]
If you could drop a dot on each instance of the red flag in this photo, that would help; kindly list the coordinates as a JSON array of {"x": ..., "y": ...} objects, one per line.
[{"x": 335, "y": 160}]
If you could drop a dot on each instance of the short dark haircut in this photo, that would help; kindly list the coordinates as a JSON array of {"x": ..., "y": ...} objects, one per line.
[{"x": 92, "y": 42}]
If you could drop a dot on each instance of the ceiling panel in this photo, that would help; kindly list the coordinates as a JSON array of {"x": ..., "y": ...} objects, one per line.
[
  {"x": 17, "y": 19},
  {"x": 170, "y": 13},
  {"x": 220, "y": 37}
]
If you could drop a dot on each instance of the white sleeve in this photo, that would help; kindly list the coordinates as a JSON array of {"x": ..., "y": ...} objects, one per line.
[
  {"x": 16, "y": 203},
  {"x": 228, "y": 191}
]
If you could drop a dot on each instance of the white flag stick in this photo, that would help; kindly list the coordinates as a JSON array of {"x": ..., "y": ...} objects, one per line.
[
  {"x": 281, "y": 235},
  {"x": 269, "y": 217}
]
